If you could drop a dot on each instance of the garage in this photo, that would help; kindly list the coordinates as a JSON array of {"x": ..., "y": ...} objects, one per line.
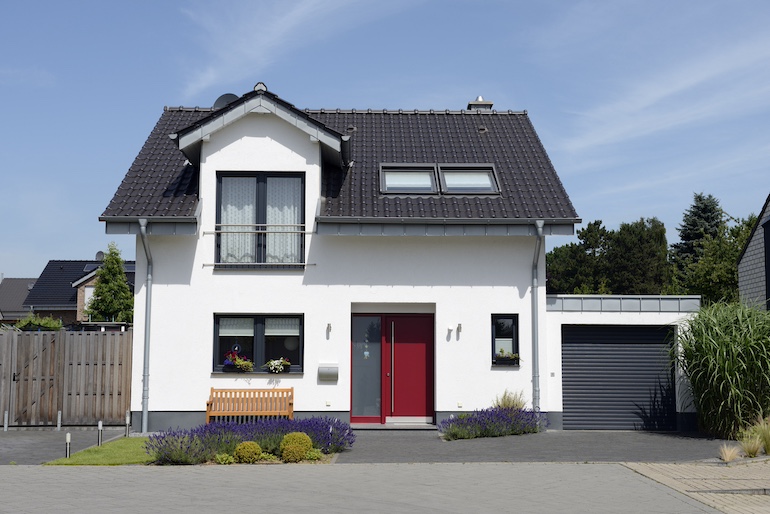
[{"x": 617, "y": 377}]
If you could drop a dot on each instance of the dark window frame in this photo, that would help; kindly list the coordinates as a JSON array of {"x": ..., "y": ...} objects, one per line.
[
  {"x": 258, "y": 356},
  {"x": 260, "y": 202},
  {"x": 514, "y": 336},
  {"x": 409, "y": 168},
  {"x": 489, "y": 169}
]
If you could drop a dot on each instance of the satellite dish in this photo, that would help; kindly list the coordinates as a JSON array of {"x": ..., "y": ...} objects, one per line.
[
  {"x": 224, "y": 100},
  {"x": 99, "y": 255}
]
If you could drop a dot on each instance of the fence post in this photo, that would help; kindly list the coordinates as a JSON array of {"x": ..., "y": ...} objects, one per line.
[
  {"x": 5, "y": 421},
  {"x": 58, "y": 422}
]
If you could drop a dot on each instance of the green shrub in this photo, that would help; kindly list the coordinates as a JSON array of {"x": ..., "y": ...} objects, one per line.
[
  {"x": 725, "y": 353},
  {"x": 248, "y": 452},
  {"x": 300, "y": 439},
  {"x": 293, "y": 453},
  {"x": 224, "y": 458},
  {"x": 35, "y": 322},
  {"x": 314, "y": 454}
]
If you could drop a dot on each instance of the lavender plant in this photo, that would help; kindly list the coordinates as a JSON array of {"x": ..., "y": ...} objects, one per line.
[
  {"x": 202, "y": 444},
  {"x": 492, "y": 422}
]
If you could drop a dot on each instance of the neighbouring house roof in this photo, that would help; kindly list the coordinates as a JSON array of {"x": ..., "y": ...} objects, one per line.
[
  {"x": 54, "y": 288},
  {"x": 761, "y": 219},
  {"x": 13, "y": 292},
  {"x": 162, "y": 183}
]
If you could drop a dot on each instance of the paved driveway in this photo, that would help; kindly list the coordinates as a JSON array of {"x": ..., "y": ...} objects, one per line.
[
  {"x": 548, "y": 446},
  {"x": 36, "y": 446},
  {"x": 403, "y": 471}
]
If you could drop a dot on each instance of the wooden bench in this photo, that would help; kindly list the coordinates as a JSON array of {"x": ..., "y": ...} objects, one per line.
[{"x": 241, "y": 404}]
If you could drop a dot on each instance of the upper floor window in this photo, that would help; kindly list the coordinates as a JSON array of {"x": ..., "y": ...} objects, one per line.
[
  {"x": 260, "y": 218},
  {"x": 438, "y": 179}
]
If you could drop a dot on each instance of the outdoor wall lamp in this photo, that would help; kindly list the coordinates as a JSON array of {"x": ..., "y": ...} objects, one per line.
[
  {"x": 328, "y": 327},
  {"x": 459, "y": 327}
]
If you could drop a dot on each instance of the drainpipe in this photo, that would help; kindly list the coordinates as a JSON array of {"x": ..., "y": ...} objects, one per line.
[
  {"x": 535, "y": 323},
  {"x": 147, "y": 316}
]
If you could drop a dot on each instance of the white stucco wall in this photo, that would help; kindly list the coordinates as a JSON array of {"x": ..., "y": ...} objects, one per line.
[{"x": 462, "y": 280}]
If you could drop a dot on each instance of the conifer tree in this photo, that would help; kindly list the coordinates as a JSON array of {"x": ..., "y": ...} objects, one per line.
[{"x": 112, "y": 299}]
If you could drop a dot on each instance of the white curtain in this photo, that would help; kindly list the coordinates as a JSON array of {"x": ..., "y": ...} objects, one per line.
[
  {"x": 238, "y": 207},
  {"x": 284, "y": 214},
  {"x": 281, "y": 326}
]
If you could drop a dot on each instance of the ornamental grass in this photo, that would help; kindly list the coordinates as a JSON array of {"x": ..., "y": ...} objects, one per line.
[
  {"x": 725, "y": 353},
  {"x": 203, "y": 443}
]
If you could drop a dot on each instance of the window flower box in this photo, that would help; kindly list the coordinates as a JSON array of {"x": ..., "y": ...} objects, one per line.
[{"x": 503, "y": 358}]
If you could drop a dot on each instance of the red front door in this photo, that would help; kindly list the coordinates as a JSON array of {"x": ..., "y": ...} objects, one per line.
[{"x": 392, "y": 375}]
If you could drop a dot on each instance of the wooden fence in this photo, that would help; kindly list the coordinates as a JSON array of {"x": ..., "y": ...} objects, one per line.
[{"x": 84, "y": 375}]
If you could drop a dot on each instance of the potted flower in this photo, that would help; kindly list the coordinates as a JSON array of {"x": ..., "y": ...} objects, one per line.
[
  {"x": 277, "y": 365},
  {"x": 503, "y": 358},
  {"x": 233, "y": 361}
]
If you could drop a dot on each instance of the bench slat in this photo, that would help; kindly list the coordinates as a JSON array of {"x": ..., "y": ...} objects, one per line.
[{"x": 250, "y": 402}]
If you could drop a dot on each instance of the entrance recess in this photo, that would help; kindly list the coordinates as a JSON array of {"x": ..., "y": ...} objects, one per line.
[{"x": 392, "y": 368}]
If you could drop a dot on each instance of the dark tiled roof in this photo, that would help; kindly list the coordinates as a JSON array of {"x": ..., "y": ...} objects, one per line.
[
  {"x": 530, "y": 187},
  {"x": 159, "y": 183},
  {"x": 13, "y": 291},
  {"x": 54, "y": 286}
]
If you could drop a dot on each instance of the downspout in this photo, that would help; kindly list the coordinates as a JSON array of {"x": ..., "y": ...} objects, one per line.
[
  {"x": 147, "y": 317},
  {"x": 535, "y": 319}
]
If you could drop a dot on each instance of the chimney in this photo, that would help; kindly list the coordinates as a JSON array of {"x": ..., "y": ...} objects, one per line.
[{"x": 479, "y": 104}]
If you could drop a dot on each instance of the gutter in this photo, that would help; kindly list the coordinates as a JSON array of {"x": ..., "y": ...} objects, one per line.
[
  {"x": 535, "y": 319},
  {"x": 147, "y": 317}
]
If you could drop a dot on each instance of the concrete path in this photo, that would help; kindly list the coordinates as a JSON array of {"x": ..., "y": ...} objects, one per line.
[
  {"x": 392, "y": 488},
  {"x": 405, "y": 471}
]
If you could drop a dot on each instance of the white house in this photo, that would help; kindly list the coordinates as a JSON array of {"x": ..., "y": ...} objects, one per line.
[{"x": 395, "y": 258}]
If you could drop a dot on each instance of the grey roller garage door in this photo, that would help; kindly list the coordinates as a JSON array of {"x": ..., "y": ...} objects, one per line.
[{"x": 617, "y": 378}]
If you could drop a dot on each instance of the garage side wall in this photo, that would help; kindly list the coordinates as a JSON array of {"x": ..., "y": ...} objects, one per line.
[{"x": 608, "y": 314}]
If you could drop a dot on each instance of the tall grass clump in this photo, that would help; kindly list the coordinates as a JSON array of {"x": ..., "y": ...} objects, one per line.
[
  {"x": 725, "y": 353},
  {"x": 510, "y": 400},
  {"x": 492, "y": 422}
]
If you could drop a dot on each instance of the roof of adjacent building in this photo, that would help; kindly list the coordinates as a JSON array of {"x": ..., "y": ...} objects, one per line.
[
  {"x": 762, "y": 218},
  {"x": 54, "y": 290},
  {"x": 163, "y": 183},
  {"x": 13, "y": 292}
]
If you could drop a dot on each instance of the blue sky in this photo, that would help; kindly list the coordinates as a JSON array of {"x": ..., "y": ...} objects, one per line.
[{"x": 639, "y": 104}]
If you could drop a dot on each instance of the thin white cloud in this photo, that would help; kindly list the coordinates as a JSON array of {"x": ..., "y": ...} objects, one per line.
[
  {"x": 243, "y": 41},
  {"x": 722, "y": 84}
]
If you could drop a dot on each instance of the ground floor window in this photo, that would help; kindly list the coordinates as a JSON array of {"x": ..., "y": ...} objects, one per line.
[
  {"x": 505, "y": 339},
  {"x": 259, "y": 338}
]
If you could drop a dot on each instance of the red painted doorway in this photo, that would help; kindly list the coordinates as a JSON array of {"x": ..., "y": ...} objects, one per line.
[{"x": 392, "y": 368}]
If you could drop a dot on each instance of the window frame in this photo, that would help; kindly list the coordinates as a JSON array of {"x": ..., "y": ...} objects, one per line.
[
  {"x": 496, "y": 360},
  {"x": 489, "y": 169},
  {"x": 260, "y": 205},
  {"x": 408, "y": 168},
  {"x": 258, "y": 342}
]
